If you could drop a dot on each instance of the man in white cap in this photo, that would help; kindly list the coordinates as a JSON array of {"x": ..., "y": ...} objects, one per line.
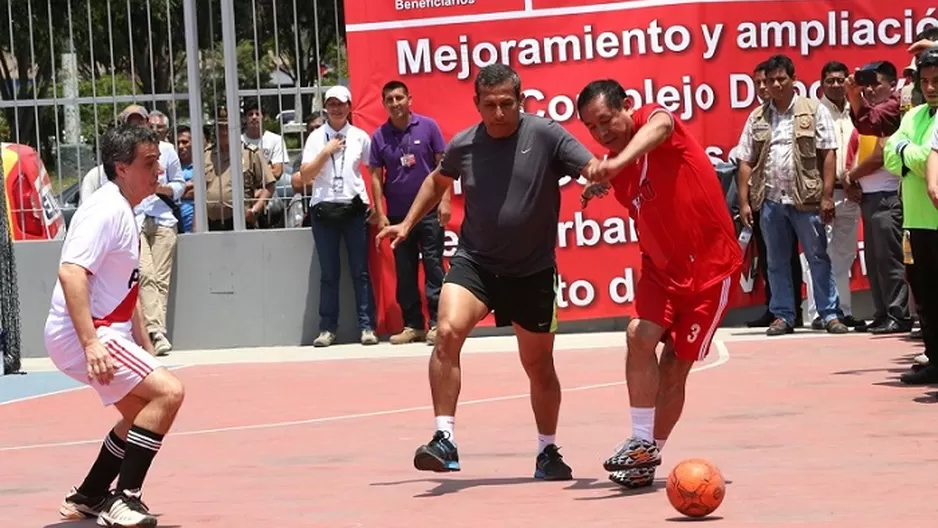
[
  {"x": 339, "y": 209},
  {"x": 906, "y": 94},
  {"x": 158, "y": 222}
]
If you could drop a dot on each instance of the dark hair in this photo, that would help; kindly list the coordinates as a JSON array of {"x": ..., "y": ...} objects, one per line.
[
  {"x": 182, "y": 129},
  {"x": 780, "y": 62},
  {"x": 926, "y": 59},
  {"x": 316, "y": 115},
  {"x": 250, "y": 105},
  {"x": 119, "y": 145},
  {"x": 496, "y": 75},
  {"x": 393, "y": 85},
  {"x": 887, "y": 70},
  {"x": 761, "y": 67},
  {"x": 610, "y": 90},
  {"x": 928, "y": 34},
  {"x": 834, "y": 67}
]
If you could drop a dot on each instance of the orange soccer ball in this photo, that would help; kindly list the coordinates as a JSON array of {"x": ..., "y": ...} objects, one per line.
[{"x": 696, "y": 488}]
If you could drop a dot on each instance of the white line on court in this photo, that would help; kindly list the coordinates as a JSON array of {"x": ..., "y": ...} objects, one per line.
[{"x": 722, "y": 357}]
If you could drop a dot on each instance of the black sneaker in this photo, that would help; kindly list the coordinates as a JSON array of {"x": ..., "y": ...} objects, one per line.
[
  {"x": 550, "y": 465},
  {"x": 440, "y": 455},
  {"x": 923, "y": 375},
  {"x": 77, "y": 506},
  {"x": 634, "y": 453},
  {"x": 634, "y": 478}
]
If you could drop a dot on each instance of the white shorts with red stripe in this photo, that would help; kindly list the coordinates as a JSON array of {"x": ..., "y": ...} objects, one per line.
[{"x": 132, "y": 363}]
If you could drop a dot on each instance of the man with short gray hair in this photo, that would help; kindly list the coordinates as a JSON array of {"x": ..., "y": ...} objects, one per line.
[{"x": 159, "y": 224}]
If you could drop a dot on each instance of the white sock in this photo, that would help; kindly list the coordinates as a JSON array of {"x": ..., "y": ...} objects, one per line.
[
  {"x": 661, "y": 443},
  {"x": 447, "y": 424},
  {"x": 544, "y": 441},
  {"x": 643, "y": 423}
]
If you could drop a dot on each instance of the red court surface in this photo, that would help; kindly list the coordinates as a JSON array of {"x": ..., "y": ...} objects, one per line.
[{"x": 808, "y": 432}]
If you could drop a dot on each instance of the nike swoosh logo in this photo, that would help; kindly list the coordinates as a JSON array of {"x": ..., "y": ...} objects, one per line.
[{"x": 526, "y": 151}]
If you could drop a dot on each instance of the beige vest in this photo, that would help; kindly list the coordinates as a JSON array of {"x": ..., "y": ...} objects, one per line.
[{"x": 808, "y": 182}]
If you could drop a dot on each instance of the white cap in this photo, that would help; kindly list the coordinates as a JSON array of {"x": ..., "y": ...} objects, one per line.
[{"x": 339, "y": 92}]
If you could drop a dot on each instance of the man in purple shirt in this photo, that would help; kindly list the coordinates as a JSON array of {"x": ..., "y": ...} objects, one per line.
[{"x": 403, "y": 152}]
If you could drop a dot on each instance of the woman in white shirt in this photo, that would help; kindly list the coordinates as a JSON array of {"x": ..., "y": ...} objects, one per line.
[{"x": 339, "y": 208}]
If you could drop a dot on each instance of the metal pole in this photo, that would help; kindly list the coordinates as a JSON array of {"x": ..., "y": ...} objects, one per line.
[
  {"x": 195, "y": 113},
  {"x": 234, "y": 112}
]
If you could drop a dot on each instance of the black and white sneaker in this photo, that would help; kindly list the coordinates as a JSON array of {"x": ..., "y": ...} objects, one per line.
[
  {"x": 634, "y": 478},
  {"x": 125, "y": 509},
  {"x": 550, "y": 465},
  {"x": 634, "y": 453},
  {"x": 77, "y": 506},
  {"x": 440, "y": 455}
]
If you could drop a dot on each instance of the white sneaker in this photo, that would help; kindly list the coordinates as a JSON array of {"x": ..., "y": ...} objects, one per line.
[
  {"x": 77, "y": 506},
  {"x": 369, "y": 337},
  {"x": 162, "y": 346},
  {"x": 125, "y": 510},
  {"x": 325, "y": 339}
]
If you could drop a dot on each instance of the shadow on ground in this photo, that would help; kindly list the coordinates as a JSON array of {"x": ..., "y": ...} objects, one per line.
[{"x": 449, "y": 486}]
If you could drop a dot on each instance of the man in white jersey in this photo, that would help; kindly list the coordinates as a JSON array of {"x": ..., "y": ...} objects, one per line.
[{"x": 96, "y": 332}]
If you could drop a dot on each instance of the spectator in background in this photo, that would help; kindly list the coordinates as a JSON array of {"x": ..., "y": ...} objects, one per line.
[
  {"x": 339, "y": 209},
  {"x": 259, "y": 182},
  {"x": 767, "y": 318},
  {"x": 906, "y": 94},
  {"x": 159, "y": 122},
  {"x": 314, "y": 121},
  {"x": 874, "y": 109},
  {"x": 787, "y": 171},
  {"x": 912, "y": 154},
  {"x": 404, "y": 151},
  {"x": 923, "y": 41},
  {"x": 842, "y": 231},
  {"x": 158, "y": 218},
  {"x": 272, "y": 144},
  {"x": 186, "y": 203}
]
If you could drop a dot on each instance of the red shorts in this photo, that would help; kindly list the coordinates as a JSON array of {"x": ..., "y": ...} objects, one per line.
[{"x": 690, "y": 321}]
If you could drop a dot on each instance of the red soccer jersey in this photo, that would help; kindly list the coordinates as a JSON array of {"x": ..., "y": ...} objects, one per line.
[{"x": 673, "y": 194}]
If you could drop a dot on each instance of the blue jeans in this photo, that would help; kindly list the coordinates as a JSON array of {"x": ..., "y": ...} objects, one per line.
[
  {"x": 327, "y": 238},
  {"x": 777, "y": 223}
]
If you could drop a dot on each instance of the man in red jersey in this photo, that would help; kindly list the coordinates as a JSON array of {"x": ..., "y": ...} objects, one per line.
[{"x": 689, "y": 257}]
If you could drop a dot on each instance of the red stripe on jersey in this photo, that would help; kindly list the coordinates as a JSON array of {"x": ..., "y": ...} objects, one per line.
[
  {"x": 124, "y": 311},
  {"x": 127, "y": 359}
]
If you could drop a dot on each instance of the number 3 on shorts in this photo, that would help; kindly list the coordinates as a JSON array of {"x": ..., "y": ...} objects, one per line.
[{"x": 694, "y": 333}]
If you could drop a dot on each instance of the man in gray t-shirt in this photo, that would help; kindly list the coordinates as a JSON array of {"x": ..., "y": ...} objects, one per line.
[
  {"x": 511, "y": 193},
  {"x": 510, "y": 165}
]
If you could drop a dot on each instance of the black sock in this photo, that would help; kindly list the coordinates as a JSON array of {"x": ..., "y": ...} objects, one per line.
[
  {"x": 105, "y": 468},
  {"x": 142, "y": 446}
]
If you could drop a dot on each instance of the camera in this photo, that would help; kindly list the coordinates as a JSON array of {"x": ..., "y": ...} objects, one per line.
[{"x": 866, "y": 77}]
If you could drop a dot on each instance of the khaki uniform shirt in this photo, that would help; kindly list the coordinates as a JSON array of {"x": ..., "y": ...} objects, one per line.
[{"x": 257, "y": 175}]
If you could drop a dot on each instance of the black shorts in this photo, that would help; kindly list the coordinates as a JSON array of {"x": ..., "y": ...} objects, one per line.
[{"x": 530, "y": 302}]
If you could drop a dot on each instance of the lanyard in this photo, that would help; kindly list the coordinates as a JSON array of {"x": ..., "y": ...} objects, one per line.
[{"x": 338, "y": 180}]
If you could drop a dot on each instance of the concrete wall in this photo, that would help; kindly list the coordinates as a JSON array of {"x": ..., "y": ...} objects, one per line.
[{"x": 246, "y": 289}]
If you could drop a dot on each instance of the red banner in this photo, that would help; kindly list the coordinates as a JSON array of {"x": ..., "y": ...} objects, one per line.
[{"x": 693, "y": 57}]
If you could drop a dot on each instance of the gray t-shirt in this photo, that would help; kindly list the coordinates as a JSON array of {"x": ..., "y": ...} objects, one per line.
[{"x": 511, "y": 193}]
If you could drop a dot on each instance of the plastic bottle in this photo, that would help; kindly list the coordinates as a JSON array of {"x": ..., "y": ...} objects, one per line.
[{"x": 745, "y": 236}]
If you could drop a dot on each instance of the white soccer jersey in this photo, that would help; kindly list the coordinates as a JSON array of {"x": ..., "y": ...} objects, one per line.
[{"x": 103, "y": 238}]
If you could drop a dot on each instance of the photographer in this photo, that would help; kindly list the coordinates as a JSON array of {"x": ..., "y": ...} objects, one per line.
[{"x": 874, "y": 109}]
